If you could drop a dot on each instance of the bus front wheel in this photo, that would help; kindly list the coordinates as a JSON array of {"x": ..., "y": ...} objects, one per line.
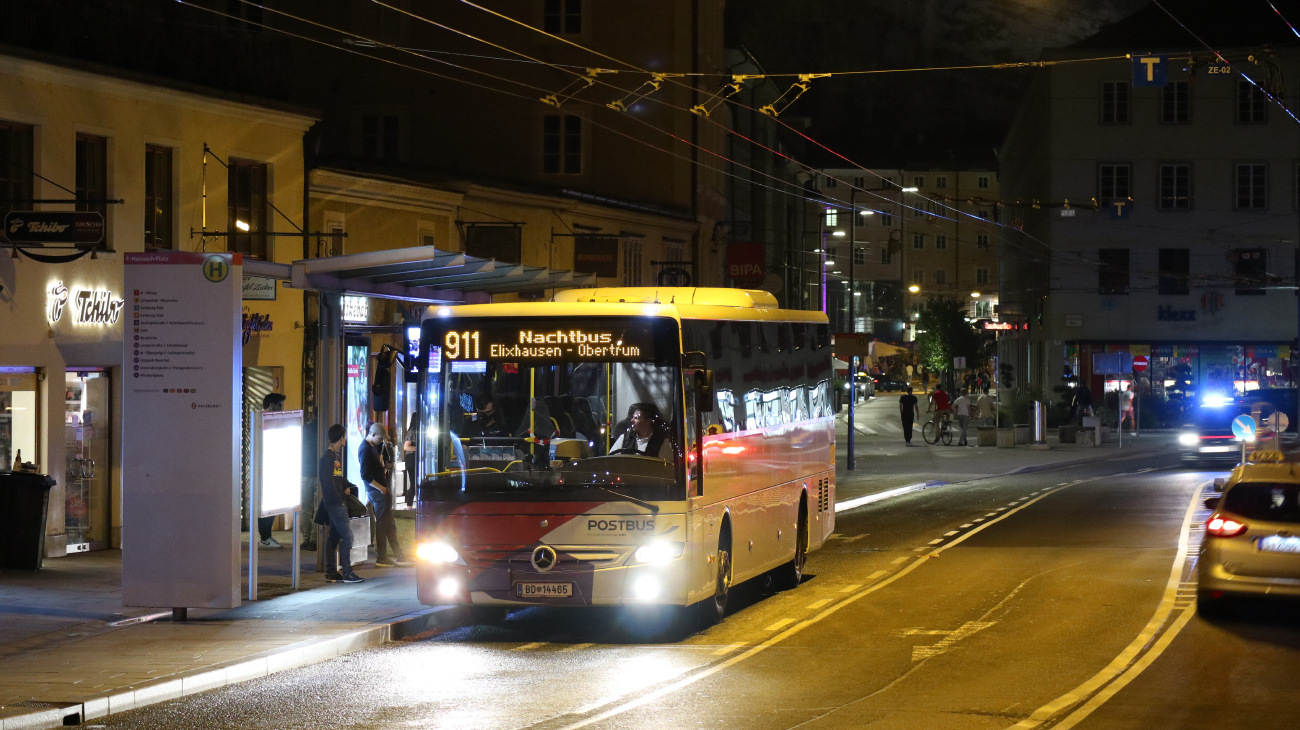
[{"x": 716, "y": 607}]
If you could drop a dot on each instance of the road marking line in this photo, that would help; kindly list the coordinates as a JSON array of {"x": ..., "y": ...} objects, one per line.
[
  {"x": 1121, "y": 662},
  {"x": 819, "y": 604},
  {"x": 854, "y": 587},
  {"x": 950, "y": 534},
  {"x": 903, "y": 559},
  {"x": 978, "y": 519},
  {"x": 936, "y": 541},
  {"x": 966, "y": 525},
  {"x": 728, "y": 649},
  {"x": 854, "y": 538},
  {"x": 966, "y": 629},
  {"x": 532, "y": 645},
  {"x": 1000, "y": 509},
  {"x": 991, "y": 514},
  {"x": 798, "y": 627},
  {"x": 780, "y": 624},
  {"x": 858, "y": 502},
  {"x": 917, "y": 550},
  {"x": 575, "y": 647},
  {"x": 876, "y": 574}
]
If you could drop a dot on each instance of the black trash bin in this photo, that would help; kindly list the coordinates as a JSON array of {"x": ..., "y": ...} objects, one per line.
[{"x": 26, "y": 500}]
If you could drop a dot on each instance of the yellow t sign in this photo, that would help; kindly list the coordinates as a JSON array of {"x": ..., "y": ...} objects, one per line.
[{"x": 1150, "y": 62}]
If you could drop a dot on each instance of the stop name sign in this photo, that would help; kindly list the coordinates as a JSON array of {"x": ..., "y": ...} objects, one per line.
[{"x": 1139, "y": 363}]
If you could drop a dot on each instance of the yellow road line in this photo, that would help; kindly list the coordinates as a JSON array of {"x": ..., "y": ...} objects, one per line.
[
  {"x": 903, "y": 559},
  {"x": 780, "y": 624},
  {"x": 850, "y": 589},
  {"x": 819, "y": 604},
  {"x": 729, "y": 648},
  {"x": 575, "y": 647},
  {"x": 526, "y": 647}
]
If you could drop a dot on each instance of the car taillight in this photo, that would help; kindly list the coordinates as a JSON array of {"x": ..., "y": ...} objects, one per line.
[{"x": 1220, "y": 527}]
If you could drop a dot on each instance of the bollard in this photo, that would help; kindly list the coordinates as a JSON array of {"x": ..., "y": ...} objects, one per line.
[{"x": 1039, "y": 439}]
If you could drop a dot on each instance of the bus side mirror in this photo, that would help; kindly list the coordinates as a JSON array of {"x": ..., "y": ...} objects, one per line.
[
  {"x": 694, "y": 360},
  {"x": 704, "y": 391}
]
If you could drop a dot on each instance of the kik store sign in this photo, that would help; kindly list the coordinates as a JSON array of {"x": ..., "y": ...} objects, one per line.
[{"x": 89, "y": 306}]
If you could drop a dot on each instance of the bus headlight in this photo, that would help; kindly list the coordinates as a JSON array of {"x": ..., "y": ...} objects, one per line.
[
  {"x": 1188, "y": 438},
  {"x": 659, "y": 551},
  {"x": 436, "y": 552}
]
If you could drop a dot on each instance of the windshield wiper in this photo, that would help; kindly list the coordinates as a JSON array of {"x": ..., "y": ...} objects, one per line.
[{"x": 654, "y": 509}]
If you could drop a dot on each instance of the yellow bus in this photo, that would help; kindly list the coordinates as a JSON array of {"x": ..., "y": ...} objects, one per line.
[{"x": 622, "y": 446}]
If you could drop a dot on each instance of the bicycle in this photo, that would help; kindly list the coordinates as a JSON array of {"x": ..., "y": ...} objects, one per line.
[{"x": 942, "y": 433}]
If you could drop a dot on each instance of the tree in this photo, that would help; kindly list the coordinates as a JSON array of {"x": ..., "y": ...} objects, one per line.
[{"x": 943, "y": 333}]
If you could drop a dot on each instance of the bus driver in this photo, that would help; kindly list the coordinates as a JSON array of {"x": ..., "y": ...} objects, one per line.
[{"x": 646, "y": 435}]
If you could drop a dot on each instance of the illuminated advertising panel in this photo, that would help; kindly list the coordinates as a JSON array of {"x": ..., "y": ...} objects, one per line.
[{"x": 281, "y": 488}]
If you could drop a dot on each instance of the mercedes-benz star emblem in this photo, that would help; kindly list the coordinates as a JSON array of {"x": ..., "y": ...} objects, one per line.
[{"x": 544, "y": 558}]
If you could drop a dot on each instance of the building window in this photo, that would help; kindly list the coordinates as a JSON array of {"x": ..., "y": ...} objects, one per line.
[
  {"x": 158, "y": 197},
  {"x": 918, "y": 240},
  {"x": 981, "y": 276},
  {"x": 379, "y": 136},
  {"x": 941, "y": 181},
  {"x": 832, "y": 217},
  {"x": 425, "y": 237},
  {"x": 1252, "y": 105},
  {"x": 1250, "y": 268},
  {"x": 982, "y": 181},
  {"x": 916, "y": 211},
  {"x": 860, "y": 255},
  {"x": 1112, "y": 271},
  {"x": 1175, "y": 187},
  {"x": 859, "y": 182},
  {"x": 92, "y": 174},
  {"x": 1114, "y": 102},
  {"x": 562, "y": 17},
  {"x": 829, "y": 182},
  {"x": 1252, "y": 187},
  {"x": 918, "y": 276},
  {"x": 1175, "y": 267},
  {"x": 887, "y": 216},
  {"x": 941, "y": 276},
  {"x": 918, "y": 181},
  {"x": 562, "y": 144},
  {"x": 982, "y": 240},
  {"x": 1113, "y": 183},
  {"x": 15, "y": 167},
  {"x": 885, "y": 256},
  {"x": 631, "y": 262},
  {"x": 243, "y": 17},
  {"x": 1174, "y": 103},
  {"x": 247, "y": 208},
  {"x": 941, "y": 242},
  {"x": 936, "y": 207}
]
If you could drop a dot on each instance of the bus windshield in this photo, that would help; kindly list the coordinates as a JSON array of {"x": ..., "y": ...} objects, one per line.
[{"x": 550, "y": 409}]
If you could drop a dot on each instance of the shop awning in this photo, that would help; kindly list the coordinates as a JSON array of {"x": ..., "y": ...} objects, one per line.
[
  {"x": 417, "y": 274},
  {"x": 884, "y": 349}
]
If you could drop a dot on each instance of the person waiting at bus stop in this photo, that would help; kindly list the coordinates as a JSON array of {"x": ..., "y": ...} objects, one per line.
[
  {"x": 374, "y": 473},
  {"x": 646, "y": 434},
  {"x": 332, "y": 513}
]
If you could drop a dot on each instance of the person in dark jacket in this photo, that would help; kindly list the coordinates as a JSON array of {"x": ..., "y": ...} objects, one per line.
[
  {"x": 374, "y": 473},
  {"x": 332, "y": 512}
]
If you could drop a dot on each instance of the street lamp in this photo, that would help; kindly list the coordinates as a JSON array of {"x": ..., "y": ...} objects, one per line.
[
  {"x": 974, "y": 295},
  {"x": 914, "y": 288}
]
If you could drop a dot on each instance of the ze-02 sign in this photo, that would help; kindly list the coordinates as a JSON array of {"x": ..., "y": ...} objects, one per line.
[{"x": 54, "y": 227}]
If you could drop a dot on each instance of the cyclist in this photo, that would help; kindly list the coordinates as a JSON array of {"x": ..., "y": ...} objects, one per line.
[{"x": 940, "y": 405}]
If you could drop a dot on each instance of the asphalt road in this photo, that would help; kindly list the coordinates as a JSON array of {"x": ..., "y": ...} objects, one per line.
[{"x": 1054, "y": 599}]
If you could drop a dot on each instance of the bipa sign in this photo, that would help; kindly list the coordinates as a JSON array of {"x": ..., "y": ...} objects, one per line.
[{"x": 745, "y": 262}]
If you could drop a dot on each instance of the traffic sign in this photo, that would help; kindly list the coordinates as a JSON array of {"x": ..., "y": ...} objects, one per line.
[
  {"x": 959, "y": 363},
  {"x": 1278, "y": 422},
  {"x": 1140, "y": 363},
  {"x": 1150, "y": 70},
  {"x": 1243, "y": 427}
]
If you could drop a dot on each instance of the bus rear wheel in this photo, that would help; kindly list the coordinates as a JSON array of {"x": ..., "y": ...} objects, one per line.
[{"x": 790, "y": 575}]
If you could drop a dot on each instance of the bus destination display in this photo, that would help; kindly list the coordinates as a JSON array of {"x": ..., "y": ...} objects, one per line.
[{"x": 550, "y": 341}]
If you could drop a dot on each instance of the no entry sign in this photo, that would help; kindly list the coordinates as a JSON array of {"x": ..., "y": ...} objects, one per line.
[{"x": 1139, "y": 363}]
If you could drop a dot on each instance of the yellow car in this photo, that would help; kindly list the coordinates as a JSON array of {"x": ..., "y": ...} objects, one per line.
[{"x": 1252, "y": 538}]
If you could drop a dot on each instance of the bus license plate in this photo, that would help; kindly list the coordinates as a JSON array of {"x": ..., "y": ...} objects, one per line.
[{"x": 544, "y": 590}]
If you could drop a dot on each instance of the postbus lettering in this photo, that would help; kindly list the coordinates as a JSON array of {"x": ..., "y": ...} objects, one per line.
[{"x": 620, "y": 525}]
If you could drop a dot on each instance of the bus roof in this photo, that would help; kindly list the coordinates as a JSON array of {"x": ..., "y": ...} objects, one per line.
[{"x": 685, "y": 302}]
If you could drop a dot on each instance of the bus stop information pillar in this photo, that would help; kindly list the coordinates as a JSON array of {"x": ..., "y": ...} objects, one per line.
[{"x": 182, "y": 360}]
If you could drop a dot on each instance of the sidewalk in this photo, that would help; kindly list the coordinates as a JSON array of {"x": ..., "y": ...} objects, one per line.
[{"x": 69, "y": 650}]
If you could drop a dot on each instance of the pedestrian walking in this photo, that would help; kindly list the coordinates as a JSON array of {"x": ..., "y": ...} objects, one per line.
[
  {"x": 374, "y": 473},
  {"x": 987, "y": 407},
  {"x": 910, "y": 411},
  {"x": 1126, "y": 408},
  {"x": 962, "y": 407},
  {"x": 332, "y": 513}
]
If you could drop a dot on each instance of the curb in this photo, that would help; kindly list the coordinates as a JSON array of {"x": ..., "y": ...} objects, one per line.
[{"x": 264, "y": 664}]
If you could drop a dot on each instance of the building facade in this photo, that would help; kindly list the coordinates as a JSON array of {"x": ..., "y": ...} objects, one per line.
[{"x": 1158, "y": 220}]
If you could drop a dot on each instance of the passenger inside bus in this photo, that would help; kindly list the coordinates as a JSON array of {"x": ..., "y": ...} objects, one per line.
[
  {"x": 647, "y": 435},
  {"x": 488, "y": 422}
]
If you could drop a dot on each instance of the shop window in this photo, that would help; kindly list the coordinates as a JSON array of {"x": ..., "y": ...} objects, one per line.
[
  {"x": 1250, "y": 270},
  {"x": 1175, "y": 187},
  {"x": 1252, "y": 104},
  {"x": 562, "y": 17},
  {"x": 86, "y": 470},
  {"x": 15, "y": 177},
  {"x": 158, "y": 198},
  {"x": 1114, "y": 102},
  {"x": 1175, "y": 268},
  {"x": 1113, "y": 183},
  {"x": 92, "y": 174},
  {"x": 562, "y": 144},
  {"x": 1175, "y": 103},
  {"x": 19, "y": 416},
  {"x": 1252, "y": 186},
  {"x": 246, "y": 220},
  {"x": 1112, "y": 271}
]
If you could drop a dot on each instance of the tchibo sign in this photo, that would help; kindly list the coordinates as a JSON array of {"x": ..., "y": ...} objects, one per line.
[{"x": 89, "y": 306}]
